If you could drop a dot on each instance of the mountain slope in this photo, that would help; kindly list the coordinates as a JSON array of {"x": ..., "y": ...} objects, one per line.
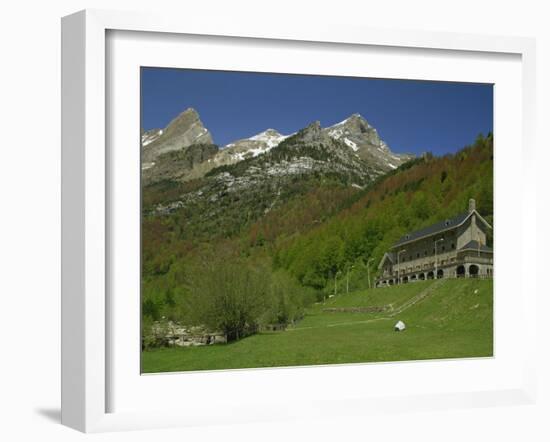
[
  {"x": 147, "y": 137},
  {"x": 183, "y": 131},
  {"x": 363, "y": 139},
  {"x": 358, "y": 142},
  {"x": 231, "y": 196},
  {"x": 237, "y": 151},
  {"x": 417, "y": 194},
  {"x": 311, "y": 226},
  {"x": 255, "y": 145}
]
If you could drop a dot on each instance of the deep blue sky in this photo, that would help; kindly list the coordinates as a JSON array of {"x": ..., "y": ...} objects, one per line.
[{"x": 411, "y": 116}]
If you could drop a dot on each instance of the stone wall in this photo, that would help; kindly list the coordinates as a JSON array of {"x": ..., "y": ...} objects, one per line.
[
  {"x": 173, "y": 334},
  {"x": 472, "y": 230}
]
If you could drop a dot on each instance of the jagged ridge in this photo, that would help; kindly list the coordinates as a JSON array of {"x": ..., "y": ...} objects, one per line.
[{"x": 356, "y": 136}]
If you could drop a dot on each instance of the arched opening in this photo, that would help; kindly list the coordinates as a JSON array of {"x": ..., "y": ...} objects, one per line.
[
  {"x": 422, "y": 277},
  {"x": 391, "y": 281},
  {"x": 439, "y": 274},
  {"x": 413, "y": 278},
  {"x": 460, "y": 271},
  {"x": 405, "y": 279},
  {"x": 430, "y": 275},
  {"x": 473, "y": 270}
]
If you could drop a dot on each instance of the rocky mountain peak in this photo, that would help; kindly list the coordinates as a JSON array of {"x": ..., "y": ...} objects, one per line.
[
  {"x": 249, "y": 147},
  {"x": 316, "y": 125},
  {"x": 268, "y": 133},
  {"x": 356, "y": 132},
  {"x": 183, "y": 131},
  {"x": 311, "y": 133},
  {"x": 183, "y": 122},
  {"x": 358, "y": 151},
  {"x": 354, "y": 123},
  {"x": 147, "y": 137},
  {"x": 271, "y": 136}
]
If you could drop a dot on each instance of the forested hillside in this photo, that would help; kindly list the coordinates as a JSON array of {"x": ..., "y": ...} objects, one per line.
[
  {"x": 235, "y": 261},
  {"x": 419, "y": 193}
]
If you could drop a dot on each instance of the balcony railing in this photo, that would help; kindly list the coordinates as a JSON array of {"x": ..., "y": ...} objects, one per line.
[
  {"x": 485, "y": 276},
  {"x": 427, "y": 264}
]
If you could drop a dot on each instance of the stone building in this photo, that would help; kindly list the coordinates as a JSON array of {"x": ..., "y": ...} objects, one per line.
[{"x": 452, "y": 248}]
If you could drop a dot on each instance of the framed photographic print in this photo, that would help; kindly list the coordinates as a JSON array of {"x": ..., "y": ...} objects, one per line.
[
  {"x": 270, "y": 221},
  {"x": 258, "y": 251}
]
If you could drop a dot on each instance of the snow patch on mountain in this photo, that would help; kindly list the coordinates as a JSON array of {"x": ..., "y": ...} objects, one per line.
[
  {"x": 336, "y": 133},
  {"x": 202, "y": 131},
  {"x": 351, "y": 144},
  {"x": 150, "y": 136},
  {"x": 271, "y": 137},
  {"x": 255, "y": 145}
]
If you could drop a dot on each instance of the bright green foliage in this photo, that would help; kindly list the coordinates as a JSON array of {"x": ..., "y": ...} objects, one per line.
[
  {"x": 454, "y": 321},
  {"x": 405, "y": 200},
  {"x": 228, "y": 296},
  {"x": 268, "y": 262}
]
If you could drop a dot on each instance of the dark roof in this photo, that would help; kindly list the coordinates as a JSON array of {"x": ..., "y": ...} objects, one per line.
[
  {"x": 433, "y": 229},
  {"x": 473, "y": 244}
]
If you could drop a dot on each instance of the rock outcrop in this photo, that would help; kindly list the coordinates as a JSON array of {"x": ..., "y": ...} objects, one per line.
[{"x": 183, "y": 131}]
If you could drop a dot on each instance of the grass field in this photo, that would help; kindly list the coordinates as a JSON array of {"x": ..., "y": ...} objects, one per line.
[{"x": 451, "y": 321}]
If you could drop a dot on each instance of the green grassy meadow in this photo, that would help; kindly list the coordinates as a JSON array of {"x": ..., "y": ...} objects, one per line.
[{"x": 452, "y": 321}]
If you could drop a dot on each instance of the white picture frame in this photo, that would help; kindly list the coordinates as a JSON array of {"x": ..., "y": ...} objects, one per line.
[{"x": 86, "y": 207}]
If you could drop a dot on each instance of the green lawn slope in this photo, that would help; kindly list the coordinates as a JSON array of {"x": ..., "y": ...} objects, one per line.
[{"x": 445, "y": 319}]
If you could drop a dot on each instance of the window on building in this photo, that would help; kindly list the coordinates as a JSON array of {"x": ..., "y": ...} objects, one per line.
[
  {"x": 425, "y": 253},
  {"x": 452, "y": 245},
  {"x": 443, "y": 248},
  {"x": 418, "y": 255}
]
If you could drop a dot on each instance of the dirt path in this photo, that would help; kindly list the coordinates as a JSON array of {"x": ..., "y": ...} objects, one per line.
[
  {"x": 403, "y": 307},
  {"x": 416, "y": 299}
]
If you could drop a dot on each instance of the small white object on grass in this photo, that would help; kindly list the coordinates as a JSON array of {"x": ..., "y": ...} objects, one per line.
[
  {"x": 475, "y": 291},
  {"x": 400, "y": 326}
]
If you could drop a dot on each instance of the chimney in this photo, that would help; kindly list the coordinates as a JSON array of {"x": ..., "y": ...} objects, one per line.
[{"x": 471, "y": 205}]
